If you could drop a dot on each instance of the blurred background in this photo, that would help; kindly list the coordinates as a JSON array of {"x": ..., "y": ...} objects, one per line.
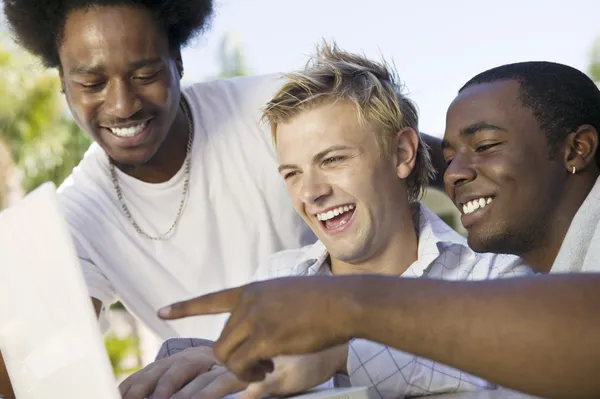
[{"x": 436, "y": 46}]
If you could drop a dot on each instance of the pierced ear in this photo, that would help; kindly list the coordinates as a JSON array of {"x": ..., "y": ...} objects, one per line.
[
  {"x": 581, "y": 147},
  {"x": 406, "y": 144}
]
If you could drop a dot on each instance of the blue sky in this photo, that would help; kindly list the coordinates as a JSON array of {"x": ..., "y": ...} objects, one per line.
[{"x": 436, "y": 45}]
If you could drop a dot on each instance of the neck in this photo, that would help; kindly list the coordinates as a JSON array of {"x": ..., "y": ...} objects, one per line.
[
  {"x": 544, "y": 251},
  {"x": 169, "y": 157},
  {"x": 395, "y": 258}
]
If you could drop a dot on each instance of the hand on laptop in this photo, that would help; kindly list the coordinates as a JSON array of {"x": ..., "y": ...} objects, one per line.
[
  {"x": 166, "y": 376},
  {"x": 294, "y": 374},
  {"x": 293, "y": 315},
  {"x": 194, "y": 373}
]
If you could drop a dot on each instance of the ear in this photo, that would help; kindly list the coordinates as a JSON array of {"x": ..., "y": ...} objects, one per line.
[
  {"x": 580, "y": 148},
  {"x": 406, "y": 144},
  {"x": 61, "y": 76}
]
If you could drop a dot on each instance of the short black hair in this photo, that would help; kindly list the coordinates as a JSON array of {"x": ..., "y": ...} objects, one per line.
[
  {"x": 38, "y": 25},
  {"x": 561, "y": 97}
]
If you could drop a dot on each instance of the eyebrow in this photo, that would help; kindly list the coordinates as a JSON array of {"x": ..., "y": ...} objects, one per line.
[
  {"x": 318, "y": 157},
  {"x": 98, "y": 69},
  {"x": 471, "y": 130}
]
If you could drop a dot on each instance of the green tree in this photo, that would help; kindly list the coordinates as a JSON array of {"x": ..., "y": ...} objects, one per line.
[
  {"x": 231, "y": 57},
  {"x": 42, "y": 139},
  {"x": 594, "y": 67}
]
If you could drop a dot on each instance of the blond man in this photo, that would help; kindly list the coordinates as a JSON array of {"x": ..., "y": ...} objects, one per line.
[{"x": 355, "y": 166}]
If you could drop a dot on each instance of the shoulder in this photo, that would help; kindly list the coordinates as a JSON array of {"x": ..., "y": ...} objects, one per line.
[{"x": 244, "y": 90}]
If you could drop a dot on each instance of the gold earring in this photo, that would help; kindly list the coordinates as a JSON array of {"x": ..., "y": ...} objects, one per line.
[{"x": 574, "y": 170}]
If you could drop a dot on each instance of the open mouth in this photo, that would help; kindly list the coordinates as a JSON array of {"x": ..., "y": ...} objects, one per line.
[
  {"x": 475, "y": 204},
  {"x": 336, "y": 217}
]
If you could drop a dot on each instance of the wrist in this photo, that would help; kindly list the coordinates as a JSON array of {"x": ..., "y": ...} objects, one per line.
[{"x": 342, "y": 359}]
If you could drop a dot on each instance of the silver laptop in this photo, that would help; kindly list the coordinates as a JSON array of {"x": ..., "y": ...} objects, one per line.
[{"x": 49, "y": 335}]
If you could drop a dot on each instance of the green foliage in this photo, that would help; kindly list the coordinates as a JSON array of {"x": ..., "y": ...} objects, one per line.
[
  {"x": 594, "y": 67},
  {"x": 119, "y": 349},
  {"x": 43, "y": 141},
  {"x": 232, "y": 58}
]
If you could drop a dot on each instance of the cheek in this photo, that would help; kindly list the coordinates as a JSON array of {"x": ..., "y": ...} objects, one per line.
[
  {"x": 294, "y": 195},
  {"x": 163, "y": 92},
  {"x": 502, "y": 169},
  {"x": 82, "y": 113}
]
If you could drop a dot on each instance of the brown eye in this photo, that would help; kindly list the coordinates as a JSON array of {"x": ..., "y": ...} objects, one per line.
[
  {"x": 148, "y": 77},
  {"x": 91, "y": 86},
  {"x": 485, "y": 147}
]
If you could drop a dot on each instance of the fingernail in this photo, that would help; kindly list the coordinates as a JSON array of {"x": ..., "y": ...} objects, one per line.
[{"x": 164, "y": 312}]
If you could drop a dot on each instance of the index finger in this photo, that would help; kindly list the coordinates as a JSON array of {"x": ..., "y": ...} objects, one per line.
[{"x": 214, "y": 303}]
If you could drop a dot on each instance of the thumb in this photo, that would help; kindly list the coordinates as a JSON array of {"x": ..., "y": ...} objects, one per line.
[{"x": 255, "y": 390}]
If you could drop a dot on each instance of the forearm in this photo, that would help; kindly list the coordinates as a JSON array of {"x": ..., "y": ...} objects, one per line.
[
  {"x": 5, "y": 385},
  {"x": 437, "y": 160},
  {"x": 536, "y": 334}
]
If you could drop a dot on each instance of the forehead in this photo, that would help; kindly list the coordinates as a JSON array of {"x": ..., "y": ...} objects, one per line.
[
  {"x": 319, "y": 127},
  {"x": 100, "y": 35},
  {"x": 496, "y": 103}
]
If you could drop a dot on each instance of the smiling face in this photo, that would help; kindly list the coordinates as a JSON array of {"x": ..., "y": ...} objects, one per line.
[
  {"x": 350, "y": 195},
  {"x": 500, "y": 174},
  {"x": 121, "y": 80}
]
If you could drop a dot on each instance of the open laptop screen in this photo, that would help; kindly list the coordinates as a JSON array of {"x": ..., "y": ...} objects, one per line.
[{"x": 49, "y": 334}]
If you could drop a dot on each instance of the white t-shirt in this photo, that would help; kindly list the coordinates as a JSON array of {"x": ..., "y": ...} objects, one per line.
[
  {"x": 580, "y": 249},
  {"x": 237, "y": 213}
]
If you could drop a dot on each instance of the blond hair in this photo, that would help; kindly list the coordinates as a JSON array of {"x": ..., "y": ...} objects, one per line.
[{"x": 333, "y": 75}]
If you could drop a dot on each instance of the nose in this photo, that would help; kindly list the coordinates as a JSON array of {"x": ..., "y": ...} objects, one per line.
[
  {"x": 314, "y": 188},
  {"x": 459, "y": 171},
  {"x": 121, "y": 100}
]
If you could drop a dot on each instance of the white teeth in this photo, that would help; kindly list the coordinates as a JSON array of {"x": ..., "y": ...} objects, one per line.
[
  {"x": 334, "y": 212},
  {"x": 128, "y": 131},
  {"x": 475, "y": 204}
]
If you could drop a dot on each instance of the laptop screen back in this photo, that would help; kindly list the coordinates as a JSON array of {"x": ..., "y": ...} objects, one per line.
[{"x": 49, "y": 334}]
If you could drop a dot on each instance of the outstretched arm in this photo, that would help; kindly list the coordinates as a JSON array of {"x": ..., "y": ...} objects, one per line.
[{"x": 534, "y": 334}]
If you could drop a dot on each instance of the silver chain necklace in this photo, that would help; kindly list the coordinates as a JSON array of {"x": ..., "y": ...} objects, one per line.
[{"x": 184, "y": 193}]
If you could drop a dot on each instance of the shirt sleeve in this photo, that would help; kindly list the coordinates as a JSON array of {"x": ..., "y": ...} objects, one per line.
[
  {"x": 98, "y": 285},
  {"x": 389, "y": 373}
]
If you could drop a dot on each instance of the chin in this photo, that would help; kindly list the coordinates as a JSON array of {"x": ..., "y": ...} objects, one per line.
[
  {"x": 477, "y": 244},
  {"x": 133, "y": 160},
  {"x": 495, "y": 242},
  {"x": 348, "y": 255}
]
